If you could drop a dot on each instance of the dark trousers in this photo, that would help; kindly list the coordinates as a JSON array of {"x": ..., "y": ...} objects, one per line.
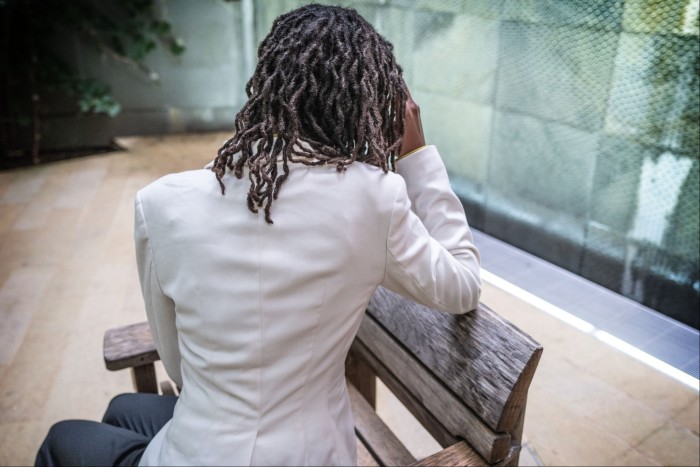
[{"x": 129, "y": 424}]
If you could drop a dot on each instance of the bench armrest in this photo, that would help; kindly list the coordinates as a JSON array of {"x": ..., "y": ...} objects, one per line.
[
  {"x": 129, "y": 346},
  {"x": 133, "y": 347},
  {"x": 462, "y": 454}
]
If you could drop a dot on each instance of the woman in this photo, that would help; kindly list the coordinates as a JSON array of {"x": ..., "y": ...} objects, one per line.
[{"x": 254, "y": 319}]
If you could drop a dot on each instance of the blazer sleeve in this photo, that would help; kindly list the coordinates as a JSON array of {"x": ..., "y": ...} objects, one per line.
[
  {"x": 160, "y": 309},
  {"x": 431, "y": 257}
]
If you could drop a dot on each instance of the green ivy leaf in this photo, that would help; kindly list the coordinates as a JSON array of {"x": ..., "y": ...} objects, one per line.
[
  {"x": 95, "y": 97},
  {"x": 114, "y": 109},
  {"x": 159, "y": 27},
  {"x": 177, "y": 46}
]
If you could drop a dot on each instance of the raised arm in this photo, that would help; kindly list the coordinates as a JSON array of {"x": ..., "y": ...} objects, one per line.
[{"x": 431, "y": 256}]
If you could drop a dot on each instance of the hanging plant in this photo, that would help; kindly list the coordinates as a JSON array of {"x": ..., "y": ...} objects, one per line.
[{"x": 125, "y": 31}]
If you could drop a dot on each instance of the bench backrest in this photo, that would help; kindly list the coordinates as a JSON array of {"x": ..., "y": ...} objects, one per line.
[{"x": 462, "y": 376}]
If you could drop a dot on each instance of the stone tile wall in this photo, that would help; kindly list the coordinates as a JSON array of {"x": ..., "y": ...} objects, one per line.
[{"x": 570, "y": 128}]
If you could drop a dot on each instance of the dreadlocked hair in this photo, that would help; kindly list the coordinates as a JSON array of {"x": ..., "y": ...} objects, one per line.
[{"x": 326, "y": 91}]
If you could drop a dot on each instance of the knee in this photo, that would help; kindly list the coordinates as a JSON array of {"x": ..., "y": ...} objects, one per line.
[
  {"x": 58, "y": 436},
  {"x": 120, "y": 401},
  {"x": 117, "y": 406},
  {"x": 60, "y": 431}
]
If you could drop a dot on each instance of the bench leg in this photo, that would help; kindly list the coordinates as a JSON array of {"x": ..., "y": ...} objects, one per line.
[
  {"x": 517, "y": 438},
  {"x": 144, "y": 378},
  {"x": 363, "y": 378}
]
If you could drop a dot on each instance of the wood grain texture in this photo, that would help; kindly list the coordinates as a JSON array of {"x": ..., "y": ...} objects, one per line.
[
  {"x": 439, "y": 400},
  {"x": 129, "y": 346},
  {"x": 513, "y": 457},
  {"x": 361, "y": 376},
  {"x": 463, "y": 377},
  {"x": 144, "y": 377},
  {"x": 441, "y": 434},
  {"x": 484, "y": 359},
  {"x": 458, "y": 454},
  {"x": 378, "y": 438},
  {"x": 364, "y": 458}
]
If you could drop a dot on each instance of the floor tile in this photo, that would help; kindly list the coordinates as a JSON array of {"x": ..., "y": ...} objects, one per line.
[
  {"x": 8, "y": 216},
  {"x": 657, "y": 391},
  {"x": 33, "y": 372},
  {"x": 669, "y": 446},
  {"x": 562, "y": 437},
  {"x": 20, "y": 441},
  {"x": 19, "y": 297},
  {"x": 634, "y": 458},
  {"x": 689, "y": 417}
]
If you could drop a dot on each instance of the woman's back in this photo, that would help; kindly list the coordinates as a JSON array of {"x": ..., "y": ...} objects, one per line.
[
  {"x": 254, "y": 319},
  {"x": 265, "y": 313}
]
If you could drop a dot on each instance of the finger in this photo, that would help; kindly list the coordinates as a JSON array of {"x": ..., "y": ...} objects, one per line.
[{"x": 405, "y": 88}]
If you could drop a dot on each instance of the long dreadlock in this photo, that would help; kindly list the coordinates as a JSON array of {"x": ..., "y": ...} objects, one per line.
[{"x": 326, "y": 90}]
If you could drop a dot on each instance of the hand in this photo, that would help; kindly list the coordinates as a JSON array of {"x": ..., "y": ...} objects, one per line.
[{"x": 413, "y": 137}]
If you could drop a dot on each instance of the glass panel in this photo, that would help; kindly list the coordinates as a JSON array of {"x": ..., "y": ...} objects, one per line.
[{"x": 570, "y": 128}]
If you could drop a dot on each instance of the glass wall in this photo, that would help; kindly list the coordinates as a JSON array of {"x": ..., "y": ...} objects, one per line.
[{"x": 570, "y": 128}]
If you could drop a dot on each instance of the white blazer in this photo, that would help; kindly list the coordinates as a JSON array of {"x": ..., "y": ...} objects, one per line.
[{"x": 254, "y": 321}]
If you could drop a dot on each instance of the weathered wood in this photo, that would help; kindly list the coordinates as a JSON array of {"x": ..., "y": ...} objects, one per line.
[
  {"x": 364, "y": 458},
  {"x": 144, "y": 377},
  {"x": 129, "y": 346},
  {"x": 441, "y": 434},
  {"x": 513, "y": 458},
  {"x": 452, "y": 412},
  {"x": 362, "y": 377},
  {"x": 458, "y": 454},
  {"x": 378, "y": 438},
  {"x": 465, "y": 378},
  {"x": 479, "y": 356},
  {"x": 514, "y": 412}
]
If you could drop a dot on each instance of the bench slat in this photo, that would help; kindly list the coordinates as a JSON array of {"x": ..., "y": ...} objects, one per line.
[
  {"x": 490, "y": 372},
  {"x": 463, "y": 377},
  {"x": 452, "y": 412},
  {"x": 458, "y": 454},
  {"x": 364, "y": 458},
  {"x": 441, "y": 434},
  {"x": 379, "y": 440}
]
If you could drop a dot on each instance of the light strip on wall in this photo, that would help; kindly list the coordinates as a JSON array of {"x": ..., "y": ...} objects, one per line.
[{"x": 588, "y": 328}]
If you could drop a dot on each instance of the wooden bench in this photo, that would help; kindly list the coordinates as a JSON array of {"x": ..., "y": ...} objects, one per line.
[{"x": 465, "y": 379}]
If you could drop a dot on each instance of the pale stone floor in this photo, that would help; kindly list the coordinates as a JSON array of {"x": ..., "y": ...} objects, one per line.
[{"x": 67, "y": 273}]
